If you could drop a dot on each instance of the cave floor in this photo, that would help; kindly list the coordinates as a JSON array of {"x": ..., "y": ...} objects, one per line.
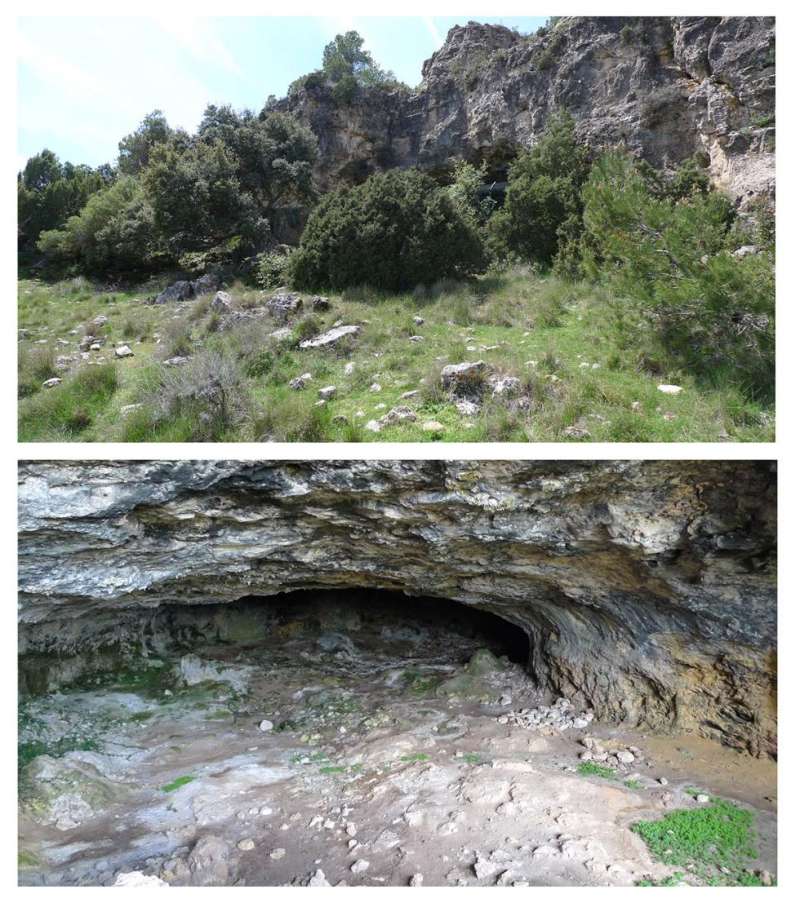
[{"x": 385, "y": 765}]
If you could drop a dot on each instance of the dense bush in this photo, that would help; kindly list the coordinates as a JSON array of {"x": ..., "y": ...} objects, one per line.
[
  {"x": 396, "y": 230},
  {"x": 49, "y": 192},
  {"x": 543, "y": 204},
  {"x": 678, "y": 282},
  {"x": 113, "y": 233}
]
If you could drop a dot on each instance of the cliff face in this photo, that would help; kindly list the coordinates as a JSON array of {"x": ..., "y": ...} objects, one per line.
[
  {"x": 646, "y": 589},
  {"x": 665, "y": 88}
]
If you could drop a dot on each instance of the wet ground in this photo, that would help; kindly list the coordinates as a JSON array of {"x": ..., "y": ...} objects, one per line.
[{"x": 354, "y": 749}]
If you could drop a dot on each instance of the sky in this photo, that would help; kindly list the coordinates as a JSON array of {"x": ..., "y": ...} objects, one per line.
[{"x": 84, "y": 82}]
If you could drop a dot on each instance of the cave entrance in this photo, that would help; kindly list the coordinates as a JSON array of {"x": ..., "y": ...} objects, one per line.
[{"x": 372, "y": 623}]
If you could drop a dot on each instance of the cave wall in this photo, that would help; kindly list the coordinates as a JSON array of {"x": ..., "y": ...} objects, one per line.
[
  {"x": 666, "y": 88},
  {"x": 647, "y": 588}
]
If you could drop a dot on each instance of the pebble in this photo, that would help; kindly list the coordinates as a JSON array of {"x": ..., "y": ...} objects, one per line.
[
  {"x": 246, "y": 844},
  {"x": 359, "y": 866},
  {"x": 277, "y": 854},
  {"x": 266, "y": 725},
  {"x": 663, "y": 781},
  {"x": 702, "y": 798},
  {"x": 318, "y": 880},
  {"x": 122, "y": 352},
  {"x": 416, "y": 880},
  {"x": 327, "y": 393},
  {"x": 670, "y": 388}
]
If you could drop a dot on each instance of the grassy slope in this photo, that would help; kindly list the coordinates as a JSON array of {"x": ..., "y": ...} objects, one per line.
[{"x": 555, "y": 337}]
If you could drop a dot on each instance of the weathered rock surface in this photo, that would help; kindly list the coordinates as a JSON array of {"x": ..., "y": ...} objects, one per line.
[
  {"x": 647, "y": 589},
  {"x": 666, "y": 88}
]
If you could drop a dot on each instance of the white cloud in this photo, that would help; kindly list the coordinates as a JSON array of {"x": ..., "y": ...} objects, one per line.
[
  {"x": 198, "y": 37},
  {"x": 52, "y": 67},
  {"x": 433, "y": 31}
]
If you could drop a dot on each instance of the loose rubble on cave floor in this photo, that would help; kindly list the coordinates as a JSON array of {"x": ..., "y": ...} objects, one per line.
[{"x": 345, "y": 753}]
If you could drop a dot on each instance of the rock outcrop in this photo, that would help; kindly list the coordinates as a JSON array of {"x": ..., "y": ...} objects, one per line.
[
  {"x": 665, "y": 88},
  {"x": 647, "y": 589}
]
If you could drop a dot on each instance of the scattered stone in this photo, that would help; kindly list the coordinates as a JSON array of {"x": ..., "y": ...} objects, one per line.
[
  {"x": 484, "y": 868},
  {"x": 96, "y": 347},
  {"x": 205, "y": 284},
  {"x": 281, "y": 334},
  {"x": 670, "y": 388},
  {"x": 246, "y": 844},
  {"x": 175, "y": 361},
  {"x": 359, "y": 867},
  {"x": 464, "y": 378},
  {"x": 179, "y": 291},
  {"x": 702, "y": 798},
  {"x": 418, "y": 319},
  {"x": 349, "y": 368},
  {"x": 123, "y": 351},
  {"x": 415, "y": 338},
  {"x": 209, "y": 862},
  {"x": 744, "y": 251},
  {"x": 318, "y": 880},
  {"x": 331, "y": 337},
  {"x": 298, "y": 383},
  {"x": 328, "y": 392},
  {"x": 506, "y": 387},
  {"x": 416, "y": 880},
  {"x": 99, "y": 321},
  {"x": 320, "y": 303},
  {"x": 278, "y": 854},
  {"x": 373, "y": 425},
  {"x": 561, "y": 715},
  {"x": 138, "y": 879},
  {"x": 576, "y": 432},
  {"x": 222, "y": 302},
  {"x": 409, "y": 394},
  {"x": 51, "y": 382},
  {"x": 625, "y": 757},
  {"x": 467, "y": 407},
  {"x": 266, "y": 725},
  {"x": 282, "y": 305},
  {"x": 129, "y": 408},
  {"x": 432, "y": 425},
  {"x": 375, "y": 387},
  {"x": 663, "y": 781}
]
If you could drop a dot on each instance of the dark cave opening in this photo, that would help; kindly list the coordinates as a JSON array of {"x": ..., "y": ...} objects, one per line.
[{"x": 381, "y": 620}]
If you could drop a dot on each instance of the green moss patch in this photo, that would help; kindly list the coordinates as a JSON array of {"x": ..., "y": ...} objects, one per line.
[
  {"x": 177, "y": 783},
  {"x": 706, "y": 841},
  {"x": 595, "y": 768}
]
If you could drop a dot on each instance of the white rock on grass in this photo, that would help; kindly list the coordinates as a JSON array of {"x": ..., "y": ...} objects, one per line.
[
  {"x": 138, "y": 880},
  {"x": 327, "y": 393},
  {"x": 318, "y": 880},
  {"x": 123, "y": 351},
  {"x": 51, "y": 382},
  {"x": 331, "y": 337},
  {"x": 349, "y": 368},
  {"x": 266, "y": 725},
  {"x": 670, "y": 388}
]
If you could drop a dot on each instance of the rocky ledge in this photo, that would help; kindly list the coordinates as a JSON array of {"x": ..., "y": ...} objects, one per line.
[
  {"x": 646, "y": 589},
  {"x": 665, "y": 88}
]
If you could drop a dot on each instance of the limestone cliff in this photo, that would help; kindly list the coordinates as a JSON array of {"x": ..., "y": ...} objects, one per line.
[
  {"x": 647, "y": 589},
  {"x": 666, "y": 88}
]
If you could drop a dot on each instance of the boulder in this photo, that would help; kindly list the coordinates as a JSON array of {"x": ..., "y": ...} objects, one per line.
[
  {"x": 332, "y": 337},
  {"x": 179, "y": 291},
  {"x": 298, "y": 383},
  {"x": 123, "y": 351},
  {"x": 205, "y": 284},
  {"x": 282, "y": 305},
  {"x": 222, "y": 301},
  {"x": 464, "y": 378},
  {"x": 320, "y": 303}
]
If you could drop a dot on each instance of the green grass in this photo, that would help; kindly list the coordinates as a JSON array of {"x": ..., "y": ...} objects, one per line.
[
  {"x": 27, "y": 752},
  {"x": 706, "y": 841},
  {"x": 633, "y": 784},
  {"x": 559, "y": 339},
  {"x": 177, "y": 783},
  {"x": 595, "y": 769},
  {"x": 415, "y": 757}
]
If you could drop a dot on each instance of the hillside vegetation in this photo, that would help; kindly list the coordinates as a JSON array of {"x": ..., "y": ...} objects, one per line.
[{"x": 602, "y": 300}]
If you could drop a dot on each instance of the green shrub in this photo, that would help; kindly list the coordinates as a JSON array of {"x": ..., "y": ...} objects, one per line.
[
  {"x": 678, "y": 285},
  {"x": 396, "y": 230},
  {"x": 543, "y": 204},
  {"x": 112, "y": 234},
  {"x": 272, "y": 269}
]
